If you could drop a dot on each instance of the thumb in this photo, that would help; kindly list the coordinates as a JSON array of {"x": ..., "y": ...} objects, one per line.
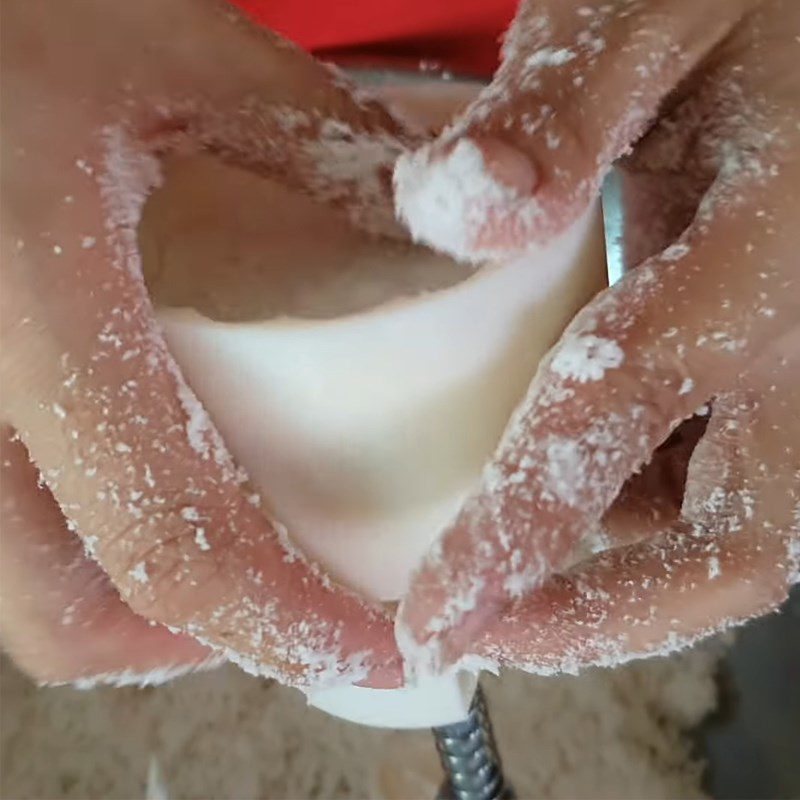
[{"x": 578, "y": 85}]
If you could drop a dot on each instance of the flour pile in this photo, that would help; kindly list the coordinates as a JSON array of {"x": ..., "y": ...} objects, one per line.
[{"x": 224, "y": 734}]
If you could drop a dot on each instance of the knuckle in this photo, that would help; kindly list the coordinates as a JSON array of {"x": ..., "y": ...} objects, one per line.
[{"x": 159, "y": 557}]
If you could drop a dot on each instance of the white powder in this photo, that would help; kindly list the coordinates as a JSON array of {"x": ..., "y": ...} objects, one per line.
[
  {"x": 553, "y": 140},
  {"x": 89, "y": 545},
  {"x": 594, "y": 44},
  {"x": 457, "y": 606},
  {"x": 549, "y": 57},
  {"x": 292, "y": 553},
  {"x": 353, "y": 165},
  {"x": 565, "y": 469},
  {"x": 520, "y": 582},
  {"x": 444, "y": 199},
  {"x": 153, "y": 677},
  {"x": 139, "y": 573},
  {"x": 675, "y": 252},
  {"x": 199, "y": 428},
  {"x": 586, "y": 358},
  {"x": 200, "y": 539},
  {"x": 419, "y": 660},
  {"x": 83, "y": 165},
  {"x": 190, "y": 514}
]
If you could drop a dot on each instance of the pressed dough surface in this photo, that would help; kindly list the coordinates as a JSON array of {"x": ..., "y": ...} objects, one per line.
[{"x": 361, "y": 382}]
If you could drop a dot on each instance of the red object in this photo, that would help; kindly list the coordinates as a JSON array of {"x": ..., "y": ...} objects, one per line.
[{"x": 458, "y": 35}]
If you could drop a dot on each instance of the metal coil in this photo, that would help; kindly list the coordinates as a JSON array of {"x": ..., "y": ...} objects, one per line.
[{"x": 469, "y": 757}]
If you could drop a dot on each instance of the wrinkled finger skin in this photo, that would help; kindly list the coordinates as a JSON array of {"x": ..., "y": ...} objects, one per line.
[
  {"x": 93, "y": 93},
  {"x": 680, "y": 329},
  {"x": 61, "y": 619}
]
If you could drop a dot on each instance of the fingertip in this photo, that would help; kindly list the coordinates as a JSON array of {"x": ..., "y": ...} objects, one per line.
[
  {"x": 446, "y": 194},
  {"x": 507, "y": 165},
  {"x": 436, "y": 630}
]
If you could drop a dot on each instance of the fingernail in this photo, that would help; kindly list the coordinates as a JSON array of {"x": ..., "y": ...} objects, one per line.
[{"x": 507, "y": 165}]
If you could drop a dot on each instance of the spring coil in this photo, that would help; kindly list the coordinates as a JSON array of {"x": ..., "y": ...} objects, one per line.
[{"x": 469, "y": 757}]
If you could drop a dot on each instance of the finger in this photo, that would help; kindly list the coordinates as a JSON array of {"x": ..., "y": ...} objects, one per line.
[
  {"x": 745, "y": 472},
  {"x": 654, "y": 597},
  {"x": 639, "y": 359},
  {"x": 286, "y": 114},
  {"x": 200, "y": 70},
  {"x": 650, "y": 500},
  {"x": 61, "y": 620},
  {"x": 127, "y": 450},
  {"x": 648, "y": 599},
  {"x": 664, "y": 179},
  {"x": 578, "y": 85}
]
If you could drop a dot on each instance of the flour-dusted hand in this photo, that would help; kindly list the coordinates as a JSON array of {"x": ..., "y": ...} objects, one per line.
[
  {"x": 93, "y": 93},
  {"x": 579, "y": 84},
  {"x": 706, "y": 95},
  {"x": 727, "y": 553}
]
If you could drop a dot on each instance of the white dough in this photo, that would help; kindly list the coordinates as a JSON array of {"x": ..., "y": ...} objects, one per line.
[
  {"x": 363, "y": 432},
  {"x": 362, "y": 384}
]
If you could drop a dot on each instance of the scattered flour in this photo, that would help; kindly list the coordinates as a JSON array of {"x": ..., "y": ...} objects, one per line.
[
  {"x": 200, "y": 539},
  {"x": 224, "y": 734},
  {"x": 549, "y": 57},
  {"x": 351, "y": 164},
  {"x": 139, "y": 573},
  {"x": 586, "y": 358},
  {"x": 442, "y": 200},
  {"x": 675, "y": 252},
  {"x": 155, "y": 677}
]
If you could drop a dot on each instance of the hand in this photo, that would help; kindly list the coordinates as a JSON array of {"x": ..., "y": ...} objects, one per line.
[
  {"x": 706, "y": 96},
  {"x": 93, "y": 93}
]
